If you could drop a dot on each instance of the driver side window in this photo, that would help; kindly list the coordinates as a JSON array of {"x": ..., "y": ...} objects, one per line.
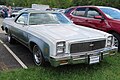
[{"x": 22, "y": 19}]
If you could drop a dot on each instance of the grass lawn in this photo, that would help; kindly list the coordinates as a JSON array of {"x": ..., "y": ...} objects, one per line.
[{"x": 109, "y": 69}]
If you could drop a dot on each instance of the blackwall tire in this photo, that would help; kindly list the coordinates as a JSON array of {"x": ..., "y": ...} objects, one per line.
[{"x": 117, "y": 40}]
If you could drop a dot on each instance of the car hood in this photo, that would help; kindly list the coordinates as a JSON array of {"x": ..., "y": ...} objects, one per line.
[{"x": 66, "y": 32}]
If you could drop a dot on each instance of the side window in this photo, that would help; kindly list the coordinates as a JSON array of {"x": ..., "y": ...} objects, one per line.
[
  {"x": 22, "y": 19},
  {"x": 79, "y": 12},
  {"x": 92, "y": 13}
]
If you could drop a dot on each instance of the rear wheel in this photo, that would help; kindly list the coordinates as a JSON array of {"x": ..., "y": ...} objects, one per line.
[
  {"x": 117, "y": 40},
  {"x": 38, "y": 57}
]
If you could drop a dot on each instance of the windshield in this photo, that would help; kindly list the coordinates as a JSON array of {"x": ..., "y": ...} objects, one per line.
[
  {"x": 111, "y": 12},
  {"x": 47, "y": 18}
]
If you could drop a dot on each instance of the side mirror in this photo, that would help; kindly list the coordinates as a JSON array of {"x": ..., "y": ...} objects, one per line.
[{"x": 99, "y": 17}]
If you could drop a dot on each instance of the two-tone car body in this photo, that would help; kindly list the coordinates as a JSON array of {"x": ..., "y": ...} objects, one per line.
[{"x": 52, "y": 37}]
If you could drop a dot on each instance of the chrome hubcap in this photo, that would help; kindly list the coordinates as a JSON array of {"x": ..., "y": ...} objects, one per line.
[
  {"x": 37, "y": 55},
  {"x": 115, "y": 42}
]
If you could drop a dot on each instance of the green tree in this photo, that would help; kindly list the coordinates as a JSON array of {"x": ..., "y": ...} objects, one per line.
[{"x": 62, "y": 3}]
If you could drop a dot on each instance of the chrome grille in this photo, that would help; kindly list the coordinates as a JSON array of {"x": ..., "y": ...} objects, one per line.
[{"x": 87, "y": 46}]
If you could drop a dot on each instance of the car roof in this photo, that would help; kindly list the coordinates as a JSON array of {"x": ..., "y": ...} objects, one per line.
[
  {"x": 39, "y": 11},
  {"x": 95, "y": 6},
  {"x": 103, "y": 7}
]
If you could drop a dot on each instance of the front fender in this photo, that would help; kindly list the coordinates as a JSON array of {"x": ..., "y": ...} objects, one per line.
[{"x": 44, "y": 46}]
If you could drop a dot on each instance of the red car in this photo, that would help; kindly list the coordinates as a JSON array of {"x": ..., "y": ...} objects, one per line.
[{"x": 99, "y": 17}]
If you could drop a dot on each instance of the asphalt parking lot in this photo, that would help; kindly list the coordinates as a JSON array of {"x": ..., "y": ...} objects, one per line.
[{"x": 13, "y": 55}]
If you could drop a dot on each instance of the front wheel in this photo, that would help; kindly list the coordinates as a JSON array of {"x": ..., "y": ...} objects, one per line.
[
  {"x": 117, "y": 40},
  {"x": 38, "y": 57}
]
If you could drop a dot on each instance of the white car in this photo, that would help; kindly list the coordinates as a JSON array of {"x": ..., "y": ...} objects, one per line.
[
  {"x": 52, "y": 37},
  {"x": 15, "y": 13}
]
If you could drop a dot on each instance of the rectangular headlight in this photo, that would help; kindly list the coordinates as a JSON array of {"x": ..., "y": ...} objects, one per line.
[{"x": 60, "y": 47}]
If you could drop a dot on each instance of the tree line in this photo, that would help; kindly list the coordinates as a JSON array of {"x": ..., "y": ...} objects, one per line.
[{"x": 61, "y": 3}]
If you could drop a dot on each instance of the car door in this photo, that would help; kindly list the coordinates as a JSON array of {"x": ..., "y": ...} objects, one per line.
[
  {"x": 20, "y": 29},
  {"x": 78, "y": 16},
  {"x": 91, "y": 21}
]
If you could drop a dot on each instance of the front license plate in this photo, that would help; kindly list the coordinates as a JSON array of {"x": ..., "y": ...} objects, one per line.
[{"x": 94, "y": 59}]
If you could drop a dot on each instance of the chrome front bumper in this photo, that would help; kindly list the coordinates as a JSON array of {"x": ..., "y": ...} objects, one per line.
[{"x": 90, "y": 57}]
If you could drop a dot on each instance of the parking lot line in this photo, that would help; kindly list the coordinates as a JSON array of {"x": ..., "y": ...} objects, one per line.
[{"x": 13, "y": 54}]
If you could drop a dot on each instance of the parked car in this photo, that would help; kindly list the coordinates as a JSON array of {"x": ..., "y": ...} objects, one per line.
[
  {"x": 99, "y": 17},
  {"x": 1, "y": 13},
  {"x": 22, "y": 10},
  {"x": 1, "y": 7},
  {"x": 15, "y": 11},
  {"x": 58, "y": 9},
  {"x": 26, "y": 9},
  {"x": 52, "y": 37}
]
